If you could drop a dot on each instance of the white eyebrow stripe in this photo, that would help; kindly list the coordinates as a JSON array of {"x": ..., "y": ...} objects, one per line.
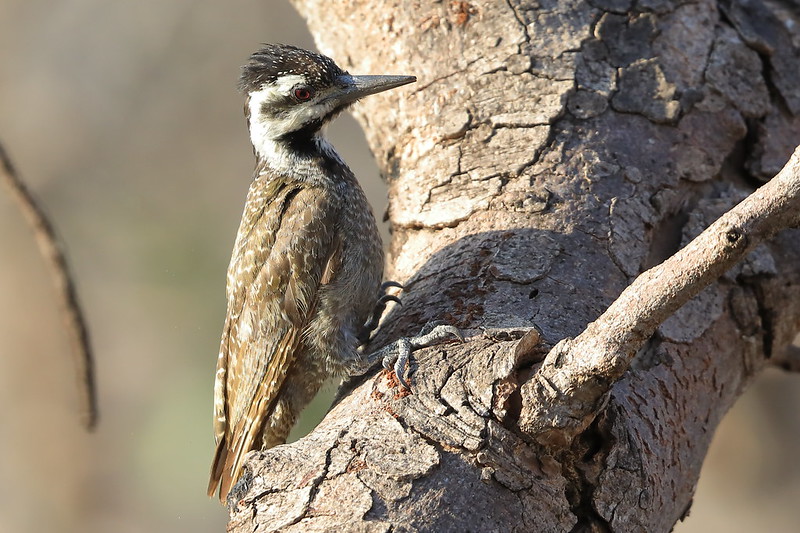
[{"x": 284, "y": 84}]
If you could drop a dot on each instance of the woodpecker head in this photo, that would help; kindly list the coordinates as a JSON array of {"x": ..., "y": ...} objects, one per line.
[{"x": 291, "y": 93}]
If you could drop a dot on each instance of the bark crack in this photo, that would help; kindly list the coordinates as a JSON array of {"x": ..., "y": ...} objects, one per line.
[
  {"x": 445, "y": 76},
  {"x": 521, "y": 23},
  {"x": 580, "y": 467},
  {"x": 766, "y": 322},
  {"x": 317, "y": 481}
]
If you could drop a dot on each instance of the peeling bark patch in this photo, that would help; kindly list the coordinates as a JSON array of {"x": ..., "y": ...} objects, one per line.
[
  {"x": 455, "y": 124},
  {"x": 736, "y": 72},
  {"x": 703, "y": 161},
  {"x": 643, "y": 89},
  {"x": 684, "y": 43},
  {"x": 627, "y": 37},
  {"x": 593, "y": 71},
  {"x": 770, "y": 29},
  {"x": 561, "y": 28},
  {"x": 530, "y": 349}
]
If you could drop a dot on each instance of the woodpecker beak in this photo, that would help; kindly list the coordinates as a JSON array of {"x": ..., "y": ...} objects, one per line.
[{"x": 356, "y": 87}]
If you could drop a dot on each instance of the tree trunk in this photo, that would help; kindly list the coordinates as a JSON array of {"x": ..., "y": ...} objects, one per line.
[{"x": 550, "y": 153}]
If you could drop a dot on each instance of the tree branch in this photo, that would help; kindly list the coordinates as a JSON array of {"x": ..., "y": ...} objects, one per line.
[
  {"x": 570, "y": 388},
  {"x": 545, "y": 160},
  {"x": 74, "y": 320}
]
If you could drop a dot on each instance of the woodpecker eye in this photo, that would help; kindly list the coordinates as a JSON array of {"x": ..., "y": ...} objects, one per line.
[{"x": 303, "y": 94}]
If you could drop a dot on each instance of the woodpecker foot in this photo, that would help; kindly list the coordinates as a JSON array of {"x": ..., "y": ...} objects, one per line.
[
  {"x": 377, "y": 311},
  {"x": 395, "y": 357}
]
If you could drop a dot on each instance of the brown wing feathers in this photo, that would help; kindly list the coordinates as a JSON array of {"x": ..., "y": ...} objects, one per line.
[{"x": 261, "y": 342}]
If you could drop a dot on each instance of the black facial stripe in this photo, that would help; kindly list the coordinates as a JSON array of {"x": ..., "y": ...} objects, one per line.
[{"x": 299, "y": 140}]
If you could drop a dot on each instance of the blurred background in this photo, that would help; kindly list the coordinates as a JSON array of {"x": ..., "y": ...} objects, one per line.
[{"x": 124, "y": 119}]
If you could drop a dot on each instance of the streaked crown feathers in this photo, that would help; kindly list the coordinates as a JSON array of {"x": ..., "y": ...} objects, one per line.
[{"x": 274, "y": 61}]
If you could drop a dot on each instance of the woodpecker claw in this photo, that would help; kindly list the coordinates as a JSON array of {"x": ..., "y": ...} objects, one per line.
[
  {"x": 396, "y": 356},
  {"x": 377, "y": 311},
  {"x": 389, "y": 298},
  {"x": 386, "y": 284}
]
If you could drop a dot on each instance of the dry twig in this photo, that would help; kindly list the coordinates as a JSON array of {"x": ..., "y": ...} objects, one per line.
[
  {"x": 570, "y": 388},
  {"x": 73, "y": 315}
]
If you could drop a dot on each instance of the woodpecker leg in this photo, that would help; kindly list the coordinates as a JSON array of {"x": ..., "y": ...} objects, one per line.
[
  {"x": 396, "y": 356},
  {"x": 377, "y": 312}
]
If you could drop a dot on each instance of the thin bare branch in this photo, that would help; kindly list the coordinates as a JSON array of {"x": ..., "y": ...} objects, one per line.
[
  {"x": 565, "y": 395},
  {"x": 73, "y": 315}
]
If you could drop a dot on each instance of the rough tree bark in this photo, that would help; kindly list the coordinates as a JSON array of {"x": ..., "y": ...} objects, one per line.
[{"x": 549, "y": 154}]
